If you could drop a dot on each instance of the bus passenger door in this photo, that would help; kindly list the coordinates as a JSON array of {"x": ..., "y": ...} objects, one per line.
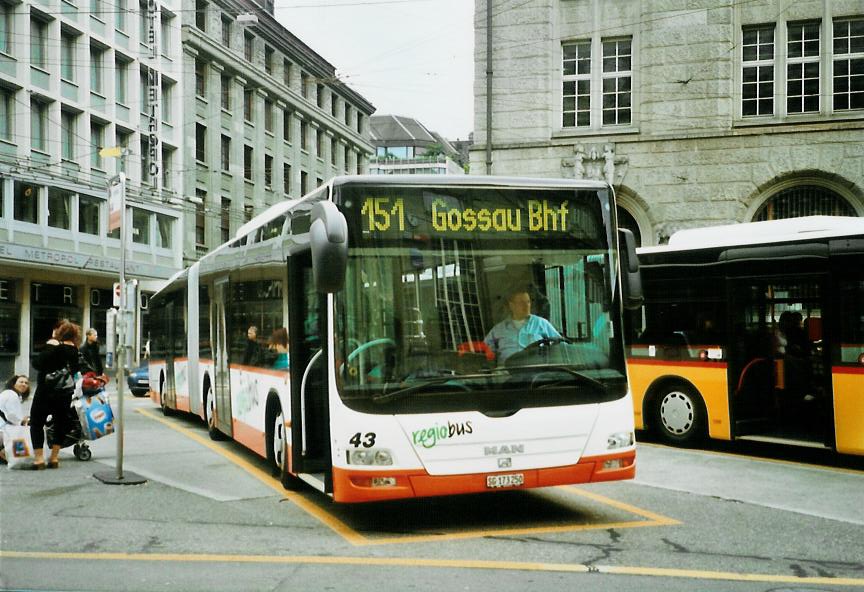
[
  {"x": 310, "y": 417},
  {"x": 222, "y": 379},
  {"x": 778, "y": 358},
  {"x": 169, "y": 389}
]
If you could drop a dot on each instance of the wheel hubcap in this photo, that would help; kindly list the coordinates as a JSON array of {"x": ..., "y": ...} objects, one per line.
[
  {"x": 211, "y": 410},
  {"x": 676, "y": 413},
  {"x": 279, "y": 440}
]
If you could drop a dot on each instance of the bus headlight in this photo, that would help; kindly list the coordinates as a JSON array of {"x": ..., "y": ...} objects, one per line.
[
  {"x": 620, "y": 440},
  {"x": 370, "y": 456}
]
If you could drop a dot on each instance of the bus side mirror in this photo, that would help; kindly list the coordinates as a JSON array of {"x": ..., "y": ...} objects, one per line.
[
  {"x": 328, "y": 237},
  {"x": 631, "y": 279}
]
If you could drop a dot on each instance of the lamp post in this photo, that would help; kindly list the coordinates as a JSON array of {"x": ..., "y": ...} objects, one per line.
[{"x": 117, "y": 218}]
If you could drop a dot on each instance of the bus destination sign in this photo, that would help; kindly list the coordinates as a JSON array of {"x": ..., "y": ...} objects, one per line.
[{"x": 386, "y": 214}]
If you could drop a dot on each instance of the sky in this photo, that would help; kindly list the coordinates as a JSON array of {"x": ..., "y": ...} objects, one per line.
[{"x": 407, "y": 57}]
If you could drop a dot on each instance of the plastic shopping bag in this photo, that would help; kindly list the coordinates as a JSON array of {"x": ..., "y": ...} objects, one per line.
[
  {"x": 18, "y": 446},
  {"x": 96, "y": 416}
]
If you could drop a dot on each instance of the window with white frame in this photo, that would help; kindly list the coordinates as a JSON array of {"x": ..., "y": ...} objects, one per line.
[
  {"x": 68, "y": 123},
  {"x": 617, "y": 76},
  {"x": 167, "y": 161},
  {"x": 140, "y": 226},
  {"x": 97, "y": 56},
  {"x": 88, "y": 214},
  {"x": 121, "y": 80},
  {"x": 597, "y": 83},
  {"x": 97, "y": 137},
  {"x": 38, "y": 125},
  {"x": 67, "y": 56},
  {"x": 802, "y": 68},
  {"x": 119, "y": 9},
  {"x": 59, "y": 208},
  {"x": 167, "y": 94},
  {"x": 757, "y": 80},
  {"x": 848, "y": 64},
  {"x": 7, "y": 113},
  {"x": 268, "y": 170},
  {"x": 164, "y": 226},
  {"x": 38, "y": 42},
  {"x": 789, "y": 61},
  {"x": 6, "y": 12}
]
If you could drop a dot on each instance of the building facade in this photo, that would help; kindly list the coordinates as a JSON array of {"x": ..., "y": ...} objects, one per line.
[
  {"x": 266, "y": 119},
  {"x": 699, "y": 113},
  {"x": 218, "y": 117},
  {"x": 403, "y": 146},
  {"x": 77, "y": 76}
]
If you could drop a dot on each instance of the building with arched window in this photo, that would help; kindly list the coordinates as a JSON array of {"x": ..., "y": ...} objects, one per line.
[{"x": 698, "y": 115}]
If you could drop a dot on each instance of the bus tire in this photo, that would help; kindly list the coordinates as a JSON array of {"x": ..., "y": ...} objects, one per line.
[
  {"x": 277, "y": 445},
  {"x": 210, "y": 414},
  {"x": 679, "y": 415},
  {"x": 166, "y": 411}
]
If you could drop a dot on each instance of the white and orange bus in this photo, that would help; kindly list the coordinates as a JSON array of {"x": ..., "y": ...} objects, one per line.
[
  {"x": 753, "y": 331},
  {"x": 341, "y": 336}
]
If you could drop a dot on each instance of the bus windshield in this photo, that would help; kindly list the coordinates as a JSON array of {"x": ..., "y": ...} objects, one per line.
[{"x": 477, "y": 299}]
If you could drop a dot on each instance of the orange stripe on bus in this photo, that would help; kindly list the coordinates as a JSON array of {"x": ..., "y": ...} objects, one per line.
[
  {"x": 353, "y": 486},
  {"x": 690, "y": 363},
  {"x": 249, "y": 437},
  {"x": 847, "y": 370}
]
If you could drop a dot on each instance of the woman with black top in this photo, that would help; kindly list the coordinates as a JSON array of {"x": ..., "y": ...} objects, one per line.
[{"x": 61, "y": 351}]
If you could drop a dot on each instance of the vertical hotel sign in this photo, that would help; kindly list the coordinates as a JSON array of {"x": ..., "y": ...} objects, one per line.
[{"x": 153, "y": 95}]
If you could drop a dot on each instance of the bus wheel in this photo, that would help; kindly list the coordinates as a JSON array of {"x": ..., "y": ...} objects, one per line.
[
  {"x": 679, "y": 416},
  {"x": 210, "y": 415},
  {"x": 166, "y": 411},
  {"x": 277, "y": 449}
]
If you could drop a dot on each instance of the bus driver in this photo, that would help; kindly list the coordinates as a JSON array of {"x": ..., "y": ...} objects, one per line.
[{"x": 520, "y": 330}]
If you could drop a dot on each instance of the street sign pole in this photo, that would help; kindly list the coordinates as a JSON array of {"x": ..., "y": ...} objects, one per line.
[{"x": 117, "y": 193}]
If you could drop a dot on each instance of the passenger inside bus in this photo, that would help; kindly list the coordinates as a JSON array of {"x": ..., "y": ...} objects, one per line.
[
  {"x": 279, "y": 345},
  {"x": 793, "y": 348},
  {"x": 520, "y": 329},
  {"x": 252, "y": 353}
]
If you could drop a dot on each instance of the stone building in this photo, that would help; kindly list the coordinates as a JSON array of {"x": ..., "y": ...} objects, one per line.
[{"x": 698, "y": 112}]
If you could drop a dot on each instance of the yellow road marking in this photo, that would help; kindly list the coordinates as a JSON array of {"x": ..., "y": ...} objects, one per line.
[
  {"x": 327, "y": 519},
  {"x": 357, "y": 539},
  {"x": 778, "y": 461},
  {"x": 659, "y": 572}
]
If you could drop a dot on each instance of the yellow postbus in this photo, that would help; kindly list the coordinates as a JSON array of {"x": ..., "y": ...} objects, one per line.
[{"x": 753, "y": 331}]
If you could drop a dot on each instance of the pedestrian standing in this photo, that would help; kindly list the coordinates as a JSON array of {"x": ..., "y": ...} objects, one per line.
[
  {"x": 61, "y": 352},
  {"x": 90, "y": 351},
  {"x": 17, "y": 391}
]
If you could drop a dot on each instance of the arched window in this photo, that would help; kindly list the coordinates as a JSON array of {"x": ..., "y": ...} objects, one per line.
[
  {"x": 803, "y": 200},
  {"x": 626, "y": 220}
]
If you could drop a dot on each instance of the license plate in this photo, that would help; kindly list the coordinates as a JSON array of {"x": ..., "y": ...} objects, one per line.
[
  {"x": 144, "y": 381},
  {"x": 496, "y": 481}
]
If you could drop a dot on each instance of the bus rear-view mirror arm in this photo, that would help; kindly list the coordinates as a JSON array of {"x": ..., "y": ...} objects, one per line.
[
  {"x": 631, "y": 279},
  {"x": 329, "y": 243}
]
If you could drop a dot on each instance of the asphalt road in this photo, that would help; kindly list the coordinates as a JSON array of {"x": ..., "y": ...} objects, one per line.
[{"x": 210, "y": 517}]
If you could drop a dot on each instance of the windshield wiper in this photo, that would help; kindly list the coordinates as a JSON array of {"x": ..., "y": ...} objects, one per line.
[
  {"x": 420, "y": 384},
  {"x": 581, "y": 376}
]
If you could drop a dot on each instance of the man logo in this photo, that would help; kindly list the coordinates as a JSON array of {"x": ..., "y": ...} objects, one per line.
[
  {"x": 505, "y": 463},
  {"x": 504, "y": 449}
]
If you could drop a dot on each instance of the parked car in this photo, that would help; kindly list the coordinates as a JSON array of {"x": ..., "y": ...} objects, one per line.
[{"x": 139, "y": 380}]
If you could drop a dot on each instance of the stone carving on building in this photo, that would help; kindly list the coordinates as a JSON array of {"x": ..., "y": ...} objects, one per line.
[{"x": 594, "y": 161}]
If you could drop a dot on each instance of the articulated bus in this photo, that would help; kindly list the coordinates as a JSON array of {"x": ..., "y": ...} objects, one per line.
[
  {"x": 343, "y": 337},
  {"x": 753, "y": 331}
]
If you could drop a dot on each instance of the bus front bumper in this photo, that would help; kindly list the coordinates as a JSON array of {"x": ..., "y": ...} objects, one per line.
[{"x": 353, "y": 486}]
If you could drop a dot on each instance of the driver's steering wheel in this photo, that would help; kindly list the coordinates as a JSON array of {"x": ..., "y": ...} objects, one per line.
[
  {"x": 534, "y": 349},
  {"x": 354, "y": 359}
]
